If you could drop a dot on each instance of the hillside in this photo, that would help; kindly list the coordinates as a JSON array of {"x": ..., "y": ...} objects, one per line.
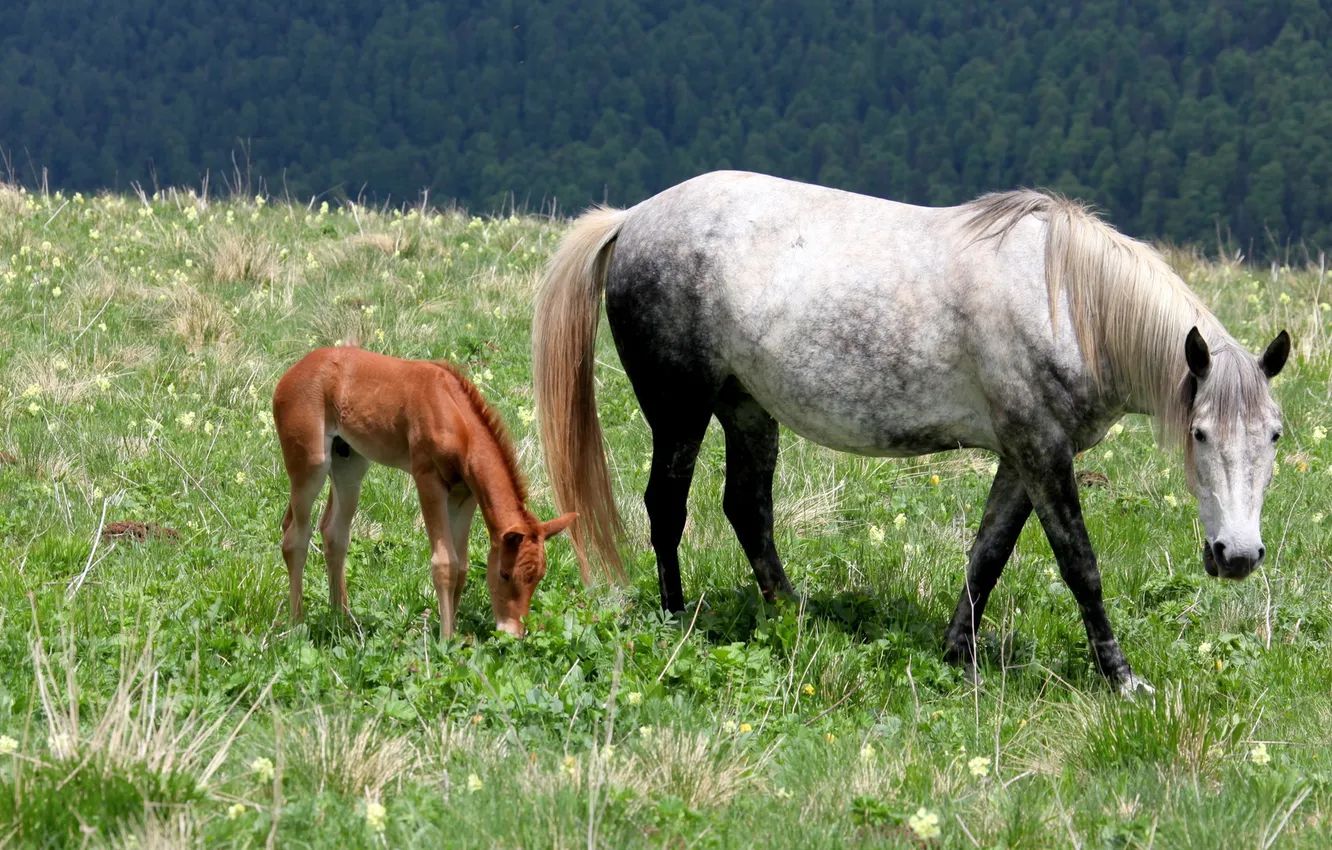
[
  {"x": 1181, "y": 119},
  {"x": 154, "y": 692}
]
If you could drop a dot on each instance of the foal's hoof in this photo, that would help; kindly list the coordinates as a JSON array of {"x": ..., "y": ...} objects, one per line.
[{"x": 1130, "y": 686}]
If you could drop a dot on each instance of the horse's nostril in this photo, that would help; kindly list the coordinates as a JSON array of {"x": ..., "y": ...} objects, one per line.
[
  {"x": 1219, "y": 550},
  {"x": 1262, "y": 550}
]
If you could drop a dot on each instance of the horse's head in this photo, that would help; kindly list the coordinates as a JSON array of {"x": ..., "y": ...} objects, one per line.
[
  {"x": 1234, "y": 425},
  {"x": 516, "y": 565}
]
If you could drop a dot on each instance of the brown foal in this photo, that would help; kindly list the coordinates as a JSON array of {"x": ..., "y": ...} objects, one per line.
[{"x": 339, "y": 409}]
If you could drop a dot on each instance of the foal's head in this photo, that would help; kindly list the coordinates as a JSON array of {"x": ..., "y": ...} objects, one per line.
[
  {"x": 517, "y": 563},
  {"x": 1234, "y": 426}
]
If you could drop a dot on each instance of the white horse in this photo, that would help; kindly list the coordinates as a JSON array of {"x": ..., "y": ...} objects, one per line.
[{"x": 1017, "y": 323}]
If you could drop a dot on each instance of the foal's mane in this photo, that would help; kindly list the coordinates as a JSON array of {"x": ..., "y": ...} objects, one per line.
[
  {"x": 494, "y": 424},
  {"x": 1130, "y": 310}
]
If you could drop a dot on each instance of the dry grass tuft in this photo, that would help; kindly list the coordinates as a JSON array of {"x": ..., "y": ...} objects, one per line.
[
  {"x": 353, "y": 758},
  {"x": 199, "y": 319},
  {"x": 240, "y": 258},
  {"x": 139, "y": 726},
  {"x": 12, "y": 202},
  {"x": 160, "y": 829},
  {"x": 385, "y": 242},
  {"x": 56, "y": 379},
  {"x": 702, "y": 771}
]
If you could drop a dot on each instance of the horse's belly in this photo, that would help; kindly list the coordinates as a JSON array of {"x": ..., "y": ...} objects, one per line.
[{"x": 891, "y": 419}]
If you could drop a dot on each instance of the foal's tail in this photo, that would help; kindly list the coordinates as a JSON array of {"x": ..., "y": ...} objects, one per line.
[{"x": 564, "y": 337}]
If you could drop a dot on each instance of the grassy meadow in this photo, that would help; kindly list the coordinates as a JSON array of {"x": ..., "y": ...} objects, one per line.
[{"x": 154, "y": 694}]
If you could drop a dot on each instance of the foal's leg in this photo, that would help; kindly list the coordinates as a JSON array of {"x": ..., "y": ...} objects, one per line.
[
  {"x": 462, "y": 507},
  {"x": 1047, "y": 473},
  {"x": 1006, "y": 511},
  {"x": 751, "y": 457},
  {"x": 347, "y": 471},
  {"x": 307, "y": 472},
  {"x": 445, "y": 569}
]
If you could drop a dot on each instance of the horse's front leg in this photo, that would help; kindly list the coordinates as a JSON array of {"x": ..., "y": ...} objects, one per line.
[
  {"x": 1047, "y": 473},
  {"x": 1006, "y": 511}
]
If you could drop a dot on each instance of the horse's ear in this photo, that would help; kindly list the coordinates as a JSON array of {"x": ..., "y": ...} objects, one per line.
[
  {"x": 1197, "y": 354},
  {"x": 513, "y": 536},
  {"x": 557, "y": 525},
  {"x": 1275, "y": 355}
]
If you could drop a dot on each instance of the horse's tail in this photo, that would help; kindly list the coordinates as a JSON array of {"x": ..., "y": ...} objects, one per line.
[{"x": 564, "y": 337}]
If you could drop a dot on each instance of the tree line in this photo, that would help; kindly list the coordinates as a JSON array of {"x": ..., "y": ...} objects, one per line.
[{"x": 1184, "y": 120}]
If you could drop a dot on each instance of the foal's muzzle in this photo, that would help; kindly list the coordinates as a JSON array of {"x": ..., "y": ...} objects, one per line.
[{"x": 1221, "y": 562}]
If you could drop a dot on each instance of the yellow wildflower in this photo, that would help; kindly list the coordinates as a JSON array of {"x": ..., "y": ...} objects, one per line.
[
  {"x": 236, "y": 810},
  {"x": 875, "y": 534},
  {"x": 262, "y": 768},
  {"x": 866, "y": 752},
  {"x": 474, "y": 783},
  {"x": 1319, "y": 434},
  {"x": 979, "y": 766},
  {"x": 745, "y": 727},
  {"x": 924, "y": 823},
  {"x": 375, "y": 815},
  {"x": 830, "y": 738},
  {"x": 569, "y": 765},
  {"x": 899, "y": 520},
  {"x": 1170, "y": 500},
  {"x": 1258, "y": 755},
  {"x": 635, "y": 698},
  {"x": 7, "y": 745},
  {"x": 934, "y": 480},
  {"x": 808, "y": 690}
]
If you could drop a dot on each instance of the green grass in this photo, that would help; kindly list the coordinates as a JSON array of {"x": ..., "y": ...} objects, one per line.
[{"x": 158, "y": 695}]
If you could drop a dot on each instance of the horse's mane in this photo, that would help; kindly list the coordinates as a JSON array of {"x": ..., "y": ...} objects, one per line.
[
  {"x": 494, "y": 424},
  {"x": 1130, "y": 310}
]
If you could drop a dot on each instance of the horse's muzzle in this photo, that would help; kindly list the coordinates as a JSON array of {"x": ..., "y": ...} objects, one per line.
[{"x": 1220, "y": 564}]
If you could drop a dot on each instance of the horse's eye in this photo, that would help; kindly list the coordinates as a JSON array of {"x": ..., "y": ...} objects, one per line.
[
  {"x": 1199, "y": 435},
  {"x": 1276, "y": 436}
]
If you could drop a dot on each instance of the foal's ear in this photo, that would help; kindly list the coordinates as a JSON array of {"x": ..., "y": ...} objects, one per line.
[
  {"x": 557, "y": 525},
  {"x": 1197, "y": 354},
  {"x": 1275, "y": 355},
  {"x": 513, "y": 536}
]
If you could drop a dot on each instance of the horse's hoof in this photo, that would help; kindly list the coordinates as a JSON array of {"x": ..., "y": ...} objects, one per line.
[
  {"x": 972, "y": 675},
  {"x": 1130, "y": 686}
]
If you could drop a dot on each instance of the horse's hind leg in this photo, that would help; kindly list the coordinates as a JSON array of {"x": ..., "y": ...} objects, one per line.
[
  {"x": 347, "y": 470},
  {"x": 676, "y": 439},
  {"x": 1006, "y": 511},
  {"x": 751, "y": 458}
]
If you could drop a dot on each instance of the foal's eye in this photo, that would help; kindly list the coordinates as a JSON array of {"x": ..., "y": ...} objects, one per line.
[
  {"x": 1199, "y": 435},
  {"x": 1276, "y": 436}
]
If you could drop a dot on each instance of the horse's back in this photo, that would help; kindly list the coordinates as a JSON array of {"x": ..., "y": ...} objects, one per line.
[{"x": 861, "y": 323}]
